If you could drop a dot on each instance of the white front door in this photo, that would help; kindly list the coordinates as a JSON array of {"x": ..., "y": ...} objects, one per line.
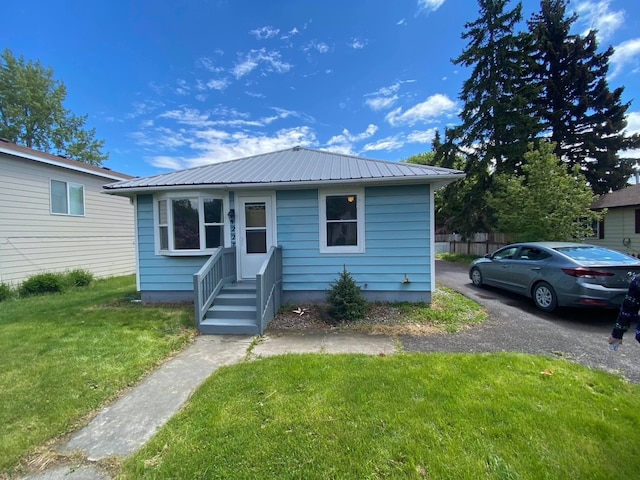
[{"x": 256, "y": 233}]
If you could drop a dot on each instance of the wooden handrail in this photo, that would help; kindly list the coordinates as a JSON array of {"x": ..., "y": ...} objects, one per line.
[
  {"x": 219, "y": 270},
  {"x": 269, "y": 288}
]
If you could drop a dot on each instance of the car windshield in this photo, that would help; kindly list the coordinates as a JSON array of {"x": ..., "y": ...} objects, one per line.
[{"x": 594, "y": 254}]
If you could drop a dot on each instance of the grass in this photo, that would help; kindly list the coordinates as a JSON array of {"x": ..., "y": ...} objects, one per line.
[
  {"x": 449, "y": 311},
  {"x": 413, "y": 416},
  {"x": 457, "y": 257},
  {"x": 65, "y": 355}
]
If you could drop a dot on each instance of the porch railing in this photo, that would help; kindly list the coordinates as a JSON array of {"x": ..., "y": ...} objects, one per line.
[
  {"x": 269, "y": 288},
  {"x": 219, "y": 270}
]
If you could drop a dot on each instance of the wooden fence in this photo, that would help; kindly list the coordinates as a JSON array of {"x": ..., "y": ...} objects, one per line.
[{"x": 480, "y": 244}]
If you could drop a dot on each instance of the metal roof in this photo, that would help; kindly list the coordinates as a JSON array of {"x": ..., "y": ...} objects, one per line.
[
  {"x": 15, "y": 150},
  {"x": 625, "y": 197},
  {"x": 294, "y": 166}
]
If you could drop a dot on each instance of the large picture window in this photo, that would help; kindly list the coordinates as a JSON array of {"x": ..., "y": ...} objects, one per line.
[
  {"x": 67, "y": 198},
  {"x": 342, "y": 222},
  {"x": 190, "y": 224}
]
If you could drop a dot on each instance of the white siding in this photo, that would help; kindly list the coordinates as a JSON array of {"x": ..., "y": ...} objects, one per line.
[
  {"x": 620, "y": 224},
  {"x": 32, "y": 240}
]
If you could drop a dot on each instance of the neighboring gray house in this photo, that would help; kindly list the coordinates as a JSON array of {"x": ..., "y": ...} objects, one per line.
[
  {"x": 620, "y": 228},
  {"x": 280, "y": 227},
  {"x": 54, "y": 217}
]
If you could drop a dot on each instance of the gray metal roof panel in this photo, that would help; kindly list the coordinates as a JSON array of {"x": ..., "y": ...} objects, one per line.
[{"x": 295, "y": 165}]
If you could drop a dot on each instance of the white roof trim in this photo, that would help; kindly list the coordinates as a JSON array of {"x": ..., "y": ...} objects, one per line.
[{"x": 48, "y": 161}]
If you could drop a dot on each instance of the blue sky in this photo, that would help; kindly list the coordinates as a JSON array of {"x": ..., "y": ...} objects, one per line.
[{"x": 176, "y": 84}]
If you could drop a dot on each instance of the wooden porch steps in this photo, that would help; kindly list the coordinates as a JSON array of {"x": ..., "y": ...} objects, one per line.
[{"x": 233, "y": 311}]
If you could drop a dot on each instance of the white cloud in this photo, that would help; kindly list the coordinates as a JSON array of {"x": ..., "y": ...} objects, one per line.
[
  {"x": 188, "y": 116},
  {"x": 314, "y": 45},
  {"x": 358, "y": 43},
  {"x": 597, "y": 16},
  {"x": 239, "y": 145},
  {"x": 627, "y": 52},
  {"x": 389, "y": 143},
  {"x": 254, "y": 94},
  {"x": 381, "y": 103},
  {"x": 429, "y": 5},
  {"x": 402, "y": 21},
  {"x": 219, "y": 84},
  {"x": 421, "y": 136},
  {"x": 263, "y": 33},
  {"x": 209, "y": 65},
  {"x": 346, "y": 138},
  {"x": 432, "y": 107},
  {"x": 272, "y": 61},
  {"x": 183, "y": 87},
  {"x": 291, "y": 33},
  {"x": 168, "y": 163},
  {"x": 633, "y": 126}
]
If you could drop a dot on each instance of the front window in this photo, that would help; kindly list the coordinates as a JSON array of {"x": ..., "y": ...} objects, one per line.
[
  {"x": 67, "y": 198},
  {"x": 342, "y": 222},
  {"x": 190, "y": 224}
]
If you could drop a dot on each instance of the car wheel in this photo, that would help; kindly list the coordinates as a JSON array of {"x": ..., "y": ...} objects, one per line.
[
  {"x": 545, "y": 297},
  {"x": 476, "y": 277}
]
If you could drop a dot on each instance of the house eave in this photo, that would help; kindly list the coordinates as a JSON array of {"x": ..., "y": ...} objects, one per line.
[
  {"x": 62, "y": 164},
  {"x": 438, "y": 181}
]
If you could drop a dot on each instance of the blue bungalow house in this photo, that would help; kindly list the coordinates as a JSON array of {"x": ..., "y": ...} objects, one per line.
[{"x": 241, "y": 237}]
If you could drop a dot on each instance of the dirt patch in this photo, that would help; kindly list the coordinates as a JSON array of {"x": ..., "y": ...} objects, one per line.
[{"x": 381, "y": 319}]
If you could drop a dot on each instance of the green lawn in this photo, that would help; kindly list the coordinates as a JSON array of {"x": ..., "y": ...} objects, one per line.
[
  {"x": 414, "y": 416},
  {"x": 64, "y": 355}
]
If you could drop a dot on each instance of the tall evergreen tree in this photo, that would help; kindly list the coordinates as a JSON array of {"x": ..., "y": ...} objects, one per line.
[
  {"x": 496, "y": 119},
  {"x": 583, "y": 117},
  {"x": 32, "y": 112}
]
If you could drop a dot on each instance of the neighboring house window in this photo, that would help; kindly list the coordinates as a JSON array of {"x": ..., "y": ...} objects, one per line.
[
  {"x": 342, "y": 221},
  {"x": 191, "y": 224},
  {"x": 67, "y": 198},
  {"x": 637, "y": 220}
]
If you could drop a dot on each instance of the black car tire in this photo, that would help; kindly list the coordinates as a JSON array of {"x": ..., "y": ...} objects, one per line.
[
  {"x": 476, "y": 277},
  {"x": 544, "y": 297}
]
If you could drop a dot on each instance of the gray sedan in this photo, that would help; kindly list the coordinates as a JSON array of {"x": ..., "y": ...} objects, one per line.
[{"x": 558, "y": 274}]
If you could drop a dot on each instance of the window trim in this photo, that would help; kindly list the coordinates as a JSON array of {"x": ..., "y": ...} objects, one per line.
[
  {"x": 201, "y": 197},
  {"x": 360, "y": 225},
  {"x": 68, "y": 197}
]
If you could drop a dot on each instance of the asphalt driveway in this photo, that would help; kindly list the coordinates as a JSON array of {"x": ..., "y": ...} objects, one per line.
[{"x": 515, "y": 325}]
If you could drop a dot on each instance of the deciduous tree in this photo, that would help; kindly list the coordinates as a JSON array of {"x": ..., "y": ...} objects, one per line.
[{"x": 32, "y": 112}]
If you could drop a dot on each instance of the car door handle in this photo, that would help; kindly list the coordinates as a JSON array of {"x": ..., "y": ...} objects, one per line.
[{"x": 535, "y": 268}]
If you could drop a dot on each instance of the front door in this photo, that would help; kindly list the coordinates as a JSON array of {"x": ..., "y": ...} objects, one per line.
[{"x": 255, "y": 236}]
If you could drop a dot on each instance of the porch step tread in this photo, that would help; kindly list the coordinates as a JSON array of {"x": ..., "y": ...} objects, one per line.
[{"x": 222, "y": 326}]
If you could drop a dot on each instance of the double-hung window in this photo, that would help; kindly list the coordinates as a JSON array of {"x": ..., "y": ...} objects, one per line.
[
  {"x": 191, "y": 224},
  {"x": 67, "y": 198},
  {"x": 342, "y": 221}
]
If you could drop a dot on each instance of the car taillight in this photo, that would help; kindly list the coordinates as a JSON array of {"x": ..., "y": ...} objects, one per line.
[{"x": 582, "y": 272}]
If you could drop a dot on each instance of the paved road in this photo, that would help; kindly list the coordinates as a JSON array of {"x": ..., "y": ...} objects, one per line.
[{"x": 515, "y": 325}]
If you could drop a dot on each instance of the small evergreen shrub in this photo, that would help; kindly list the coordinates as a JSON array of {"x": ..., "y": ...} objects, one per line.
[
  {"x": 345, "y": 299},
  {"x": 42, "y": 283},
  {"x": 78, "y": 278},
  {"x": 6, "y": 292}
]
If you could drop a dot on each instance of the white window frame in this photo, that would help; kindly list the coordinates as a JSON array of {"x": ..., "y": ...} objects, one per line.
[
  {"x": 360, "y": 229},
  {"x": 67, "y": 189},
  {"x": 201, "y": 197}
]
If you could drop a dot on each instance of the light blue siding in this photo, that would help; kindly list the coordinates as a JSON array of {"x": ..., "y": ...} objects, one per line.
[
  {"x": 397, "y": 241},
  {"x": 159, "y": 272}
]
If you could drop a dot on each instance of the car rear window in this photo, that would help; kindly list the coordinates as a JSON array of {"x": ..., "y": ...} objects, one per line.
[{"x": 594, "y": 254}]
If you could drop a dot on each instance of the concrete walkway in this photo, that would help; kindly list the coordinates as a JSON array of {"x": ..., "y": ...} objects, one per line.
[{"x": 122, "y": 428}]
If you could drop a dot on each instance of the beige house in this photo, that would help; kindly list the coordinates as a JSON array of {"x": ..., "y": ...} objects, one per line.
[
  {"x": 54, "y": 217},
  {"x": 620, "y": 229}
]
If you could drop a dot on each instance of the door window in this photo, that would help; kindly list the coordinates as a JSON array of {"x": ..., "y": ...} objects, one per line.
[{"x": 255, "y": 215}]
